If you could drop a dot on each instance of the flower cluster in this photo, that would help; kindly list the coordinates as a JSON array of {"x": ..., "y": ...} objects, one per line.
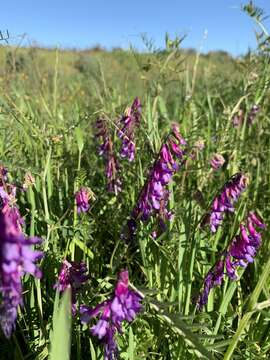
[
  {"x": 122, "y": 306},
  {"x": 241, "y": 251},
  {"x": 106, "y": 150},
  {"x": 82, "y": 200},
  {"x": 217, "y": 161},
  {"x": 224, "y": 201},
  {"x": 72, "y": 275},
  {"x": 153, "y": 198},
  {"x": 130, "y": 120},
  {"x": 238, "y": 119},
  {"x": 16, "y": 257},
  {"x": 244, "y": 246}
]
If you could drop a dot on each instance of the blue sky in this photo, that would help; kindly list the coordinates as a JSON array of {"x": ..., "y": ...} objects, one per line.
[{"x": 82, "y": 23}]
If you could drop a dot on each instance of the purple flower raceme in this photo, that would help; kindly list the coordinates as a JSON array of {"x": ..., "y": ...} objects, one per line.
[
  {"x": 106, "y": 150},
  {"x": 240, "y": 252},
  {"x": 217, "y": 161},
  {"x": 224, "y": 201},
  {"x": 124, "y": 305},
  {"x": 72, "y": 275},
  {"x": 153, "y": 198},
  {"x": 244, "y": 246},
  {"x": 213, "y": 278},
  {"x": 16, "y": 259},
  {"x": 130, "y": 120},
  {"x": 82, "y": 200}
]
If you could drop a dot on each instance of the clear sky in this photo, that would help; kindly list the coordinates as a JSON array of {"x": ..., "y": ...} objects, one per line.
[{"x": 84, "y": 23}]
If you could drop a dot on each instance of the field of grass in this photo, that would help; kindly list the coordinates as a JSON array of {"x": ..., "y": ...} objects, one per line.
[{"x": 49, "y": 103}]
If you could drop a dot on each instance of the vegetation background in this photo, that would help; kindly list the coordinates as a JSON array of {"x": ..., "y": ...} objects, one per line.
[{"x": 50, "y": 99}]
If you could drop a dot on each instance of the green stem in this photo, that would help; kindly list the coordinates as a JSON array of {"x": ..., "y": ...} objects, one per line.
[{"x": 251, "y": 306}]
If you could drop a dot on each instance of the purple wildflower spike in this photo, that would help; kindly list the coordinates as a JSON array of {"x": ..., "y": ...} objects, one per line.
[
  {"x": 244, "y": 247},
  {"x": 213, "y": 278},
  {"x": 153, "y": 198},
  {"x": 72, "y": 275},
  {"x": 223, "y": 203},
  {"x": 16, "y": 259},
  {"x": 106, "y": 150},
  {"x": 130, "y": 120},
  {"x": 124, "y": 305},
  {"x": 9, "y": 206},
  {"x": 82, "y": 200},
  {"x": 240, "y": 252},
  {"x": 217, "y": 161}
]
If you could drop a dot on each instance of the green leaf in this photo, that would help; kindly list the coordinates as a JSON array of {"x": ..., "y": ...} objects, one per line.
[
  {"x": 79, "y": 137},
  {"x": 60, "y": 338}
]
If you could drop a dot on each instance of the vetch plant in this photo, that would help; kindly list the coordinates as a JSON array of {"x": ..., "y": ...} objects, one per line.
[
  {"x": 153, "y": 198},
  {"x": 129, "y": 121},
  {"x": 111, "y": 163},
  {"x": 124, "y": 305},
  {"x": 72, "y": 276},
  {"x": 240, "y": 252},
  {"x": 224, "y": 202}
]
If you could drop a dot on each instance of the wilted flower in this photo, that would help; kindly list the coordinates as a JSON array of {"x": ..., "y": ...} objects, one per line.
[
  {"x": 240, "y": 252},
  {"x": 106, "y": 150},
  {"x": 130, "y": 120},
  {"x": 124, "y": 305},
  {"x": 217, "y": 161},
  {"x": 199, "y": 144},
  {"x": 29, "y": 180},
  {"x": 16, "y": 259},
  {"x": 153, "y": 198},
  {"x": 3, "y": 175},
  {"x": 223, "y": 202},
  {"x": 252, "y": 114},
  {"x": 72, "y": 275},
  {"x": 238, "y": 118},
  {"x": 82, "y": 200}
]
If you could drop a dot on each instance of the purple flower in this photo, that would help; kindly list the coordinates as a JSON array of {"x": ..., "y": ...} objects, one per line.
[
  {"x": 16, "y": 259},
  {"x": 82, "y": 199},
  {"x": 223, "y": 203},
  {"x": 153, "y": 198},
  {"x": 240, "y": 252},
  {"x": 106, "y": 150},
  {"x": 130, "y": 121},
  {"x": 124, "y": 305},
  {"x": 213, "y": 278},
  {"x": 217, "y": 161},
  {"x": 244, "y": 247},
  {"x": 72, "y": 275},
  {"x": 9, "y": 206}
]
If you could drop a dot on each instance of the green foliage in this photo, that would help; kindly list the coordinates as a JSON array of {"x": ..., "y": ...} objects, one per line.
[{"x": 60, "y": 337}]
